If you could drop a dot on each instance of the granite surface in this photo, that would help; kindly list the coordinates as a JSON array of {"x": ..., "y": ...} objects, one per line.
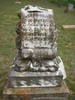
[{"x": 30, "y": 93}]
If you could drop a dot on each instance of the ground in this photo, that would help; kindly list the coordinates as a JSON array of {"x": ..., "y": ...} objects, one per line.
[{"x": 66, "y": 39}]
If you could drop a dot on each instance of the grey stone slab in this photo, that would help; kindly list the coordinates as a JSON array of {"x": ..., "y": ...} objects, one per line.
[
  {"x": 35, "y": 79},
  {"x": 56, "y": 93},
  {"x": 25, "y": 74}
]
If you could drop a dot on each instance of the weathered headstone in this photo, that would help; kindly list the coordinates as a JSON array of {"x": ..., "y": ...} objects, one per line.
[
  {"x": 36, "y": 71},
  {"x": 70, "y": 7}
]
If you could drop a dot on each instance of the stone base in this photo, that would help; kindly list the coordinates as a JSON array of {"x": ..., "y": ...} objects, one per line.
[
  {"x": 36, "y": 93},
  {"x": 35, "y": 79}
]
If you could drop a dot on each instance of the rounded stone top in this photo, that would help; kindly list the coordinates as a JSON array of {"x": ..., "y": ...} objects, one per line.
[{"x": 30, "y": 8}]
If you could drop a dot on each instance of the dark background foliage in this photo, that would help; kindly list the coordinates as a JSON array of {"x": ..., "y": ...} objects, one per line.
[{"x": 63, "y": 2}]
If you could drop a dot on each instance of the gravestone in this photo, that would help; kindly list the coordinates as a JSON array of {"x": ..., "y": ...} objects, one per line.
[
  {"x": 37, "y": 72},
  {"x": 70, "y": 7}
]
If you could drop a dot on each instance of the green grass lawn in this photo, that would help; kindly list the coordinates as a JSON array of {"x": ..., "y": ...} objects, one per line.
[{"x": 66, "y": 39}]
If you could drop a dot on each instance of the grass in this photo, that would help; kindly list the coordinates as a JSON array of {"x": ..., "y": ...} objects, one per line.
[{"x": 66, "y": 39}]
